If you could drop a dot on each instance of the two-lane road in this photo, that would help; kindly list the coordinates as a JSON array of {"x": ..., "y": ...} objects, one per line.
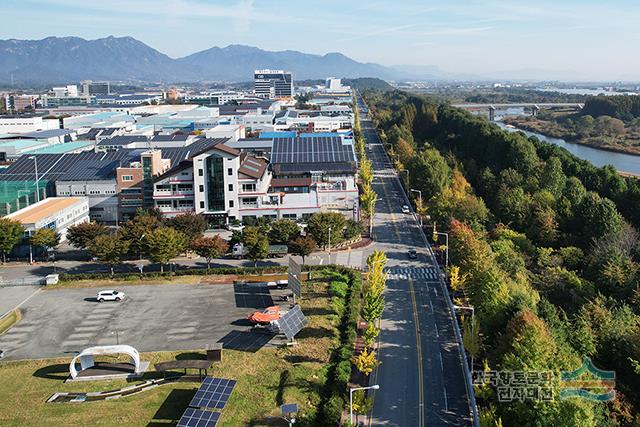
[{"x": 421, "y": 374}]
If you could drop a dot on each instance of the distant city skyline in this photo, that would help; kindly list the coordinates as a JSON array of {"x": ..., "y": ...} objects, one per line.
[{"x": 567, "y": 40}]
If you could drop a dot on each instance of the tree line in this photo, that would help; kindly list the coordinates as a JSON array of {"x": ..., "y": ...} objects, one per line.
[{"x": 544, "y": 247}]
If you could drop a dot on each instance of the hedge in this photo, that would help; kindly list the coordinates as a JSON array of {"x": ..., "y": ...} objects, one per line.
[
  {"x": 339, "y": 370},
  {"x": 187, "y": 272}
]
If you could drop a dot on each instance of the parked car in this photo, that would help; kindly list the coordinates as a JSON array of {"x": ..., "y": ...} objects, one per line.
[
  {"x": 234, "y": 227},
  {"x": 413, "y": 254},
  {"x": 405, "y": 209},
  {"x": 110, "y": 295}
]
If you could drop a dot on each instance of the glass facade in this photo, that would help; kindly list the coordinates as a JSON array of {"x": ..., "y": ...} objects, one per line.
[{"x": 215, "y": 183}]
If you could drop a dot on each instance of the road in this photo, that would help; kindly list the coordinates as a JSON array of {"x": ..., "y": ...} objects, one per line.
[{"x": 421, "y": 374}]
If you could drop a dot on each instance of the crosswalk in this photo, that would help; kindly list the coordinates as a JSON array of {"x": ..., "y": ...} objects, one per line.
[{"x": 404, "y": 273}]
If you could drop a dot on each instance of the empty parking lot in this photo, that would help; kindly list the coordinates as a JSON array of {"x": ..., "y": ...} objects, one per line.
[{"x": 151, "y": 318}]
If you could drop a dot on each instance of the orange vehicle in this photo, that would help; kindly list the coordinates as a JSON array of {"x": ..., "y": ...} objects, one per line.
[{"x": 265, "y": 316}]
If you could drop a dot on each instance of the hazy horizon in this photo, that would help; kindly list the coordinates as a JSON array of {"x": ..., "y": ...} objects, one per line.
[{"x": 572, "y": 40}]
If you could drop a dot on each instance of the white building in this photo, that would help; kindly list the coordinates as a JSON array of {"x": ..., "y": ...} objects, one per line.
[
  {"x": 9, "y": 124},
  {"x": 56, "y": 213}
]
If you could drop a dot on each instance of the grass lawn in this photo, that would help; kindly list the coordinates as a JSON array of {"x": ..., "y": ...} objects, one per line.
[{"x": 266, "y": 379}]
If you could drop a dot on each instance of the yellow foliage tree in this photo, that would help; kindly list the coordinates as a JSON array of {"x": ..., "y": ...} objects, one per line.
[
  {"x": 456, "y": 280},
  {"x": 366, "y": 361}
]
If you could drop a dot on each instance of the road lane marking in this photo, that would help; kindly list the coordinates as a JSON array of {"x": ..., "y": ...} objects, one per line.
[{"x": 416, "y": 321}]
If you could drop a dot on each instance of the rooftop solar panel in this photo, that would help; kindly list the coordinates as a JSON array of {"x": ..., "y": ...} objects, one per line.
[
  {"x": 292, "y": 322},
  {"x": 198, "y": 418},
  {"x": 213, "y": 393}
]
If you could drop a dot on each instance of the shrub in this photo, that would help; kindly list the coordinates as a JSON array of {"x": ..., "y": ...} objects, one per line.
[
  {"x": 338, "y": 289},
  {"x": 332, "y": 410}
]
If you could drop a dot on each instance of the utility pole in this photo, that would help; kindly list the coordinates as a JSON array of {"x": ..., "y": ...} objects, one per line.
[
  {"x": 419, "y": 204},
  {"x": 35, "y": 163}
]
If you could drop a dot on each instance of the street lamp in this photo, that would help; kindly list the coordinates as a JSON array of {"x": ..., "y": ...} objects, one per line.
[
  {"x": 329, "y": 245},
  {"x": 35, "y": 163},
  {"x": 446, "y": 242},
  {"x": 351, "y": 390},
  {"x": 473, "y": 311},
  {"x": 419, "y": 204}
]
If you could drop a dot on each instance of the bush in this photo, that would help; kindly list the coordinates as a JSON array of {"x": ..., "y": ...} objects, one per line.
[
  {"x": 342, "y": 375},
  {"x": 332, "y": 410},
  {"x": 185, "y": 272},
  {"x": 338, "y": 289}
]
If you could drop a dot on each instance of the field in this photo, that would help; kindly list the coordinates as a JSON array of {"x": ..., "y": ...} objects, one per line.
[{"x": 266, "y": 379}]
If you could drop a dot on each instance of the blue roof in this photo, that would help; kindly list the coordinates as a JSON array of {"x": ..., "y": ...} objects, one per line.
[
  {"x": 282, "y": 134},
  {"x": 327, "y": 134},
  {"x": 66, "y": 147}
]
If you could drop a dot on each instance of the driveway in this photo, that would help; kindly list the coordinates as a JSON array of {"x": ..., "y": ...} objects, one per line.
[{"x": 62, "y": 322}]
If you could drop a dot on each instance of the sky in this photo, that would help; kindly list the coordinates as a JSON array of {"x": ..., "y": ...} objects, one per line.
[{"x": 559, "y": 39}]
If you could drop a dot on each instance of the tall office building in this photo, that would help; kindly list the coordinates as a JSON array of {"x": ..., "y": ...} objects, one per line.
[
  {"x": 273, "y": 84},
  {"x": 95, "y": 88}
]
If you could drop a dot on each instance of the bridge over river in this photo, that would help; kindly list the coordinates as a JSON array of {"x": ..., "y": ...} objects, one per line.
[{"x": 532, "y": 106}]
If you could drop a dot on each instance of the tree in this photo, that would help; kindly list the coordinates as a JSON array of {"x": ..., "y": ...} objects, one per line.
[
  {"x": 258, "y": 249},
  {"x": 366, "y": 171},
  {"x": 429, "y": 172},
  {"x": 352, "y": 229},
  {"x": 81, "y": 235},
  {"x": 190, "y": 224},
  {"x": 137, "y": 229},
  {"x": 471, "y": 338},
  {"x": 326, "y": 228},
  {"x": 11, "y": 232},
  {"x": 365, "y": 361},
  {"x": 109, "y": 249},
  {"x": 370, "y": 334},
  {"x": 163, "y": 244},
  {"x": 283, "y": 231},
  {"x": 373, "y": 307},
  {"x": 368, "y": 200},
  {"x": 45, "y": 237},
  {"x": 303, "y": 246},
  {"x": 210, "y": 247},
  {"x": 362, "y": 403},
  {"x": 597, "y": 217}
]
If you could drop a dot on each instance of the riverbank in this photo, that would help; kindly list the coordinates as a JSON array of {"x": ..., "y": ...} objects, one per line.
[{"x": 554, "y": 130}]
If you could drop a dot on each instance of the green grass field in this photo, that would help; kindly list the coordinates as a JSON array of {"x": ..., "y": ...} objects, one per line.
[{"x": 266, "y": 379}]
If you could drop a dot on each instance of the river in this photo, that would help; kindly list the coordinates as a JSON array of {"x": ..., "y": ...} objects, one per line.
[{"x": 621, "y": 161}]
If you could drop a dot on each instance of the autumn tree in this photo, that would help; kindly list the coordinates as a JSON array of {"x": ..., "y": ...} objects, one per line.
[
  {"x": 164, "y": 243},
  {"x": 109, "y": 249},
  {"x": 11, "y": 233},
  {"x": 303, "y": 246},
  {"x": 81, "y": 235},
  {"x": 210, "y": 248}
]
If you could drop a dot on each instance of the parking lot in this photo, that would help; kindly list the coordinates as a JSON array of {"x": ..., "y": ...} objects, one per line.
[{"x": 151, "y": 318}]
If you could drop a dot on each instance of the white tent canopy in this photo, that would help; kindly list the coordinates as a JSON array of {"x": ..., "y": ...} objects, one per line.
[{"x": 86, "y": 357}]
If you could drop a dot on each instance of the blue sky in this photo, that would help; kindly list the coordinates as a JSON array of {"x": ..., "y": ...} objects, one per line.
[{"x": 583, "y": 39}]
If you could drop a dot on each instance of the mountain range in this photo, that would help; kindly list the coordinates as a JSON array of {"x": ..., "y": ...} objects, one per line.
[{"x": 56, "y": 60}]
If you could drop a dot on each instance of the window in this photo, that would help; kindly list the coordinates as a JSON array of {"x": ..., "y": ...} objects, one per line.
[
  {"x": 229, "y": 171},
  {"x": 184, "y": 173},
  {"x": 200, "y": 172},
  {"x": 202, "y": 188},
  {"x": 201, "y": 205},
  {"x": 290, "y": 216},
  {"x": 230, "y": 203},
  {"x": 230, "y": 187},
  {"x": 127, "y": 177},
  {"x": 248, "y": 188}
]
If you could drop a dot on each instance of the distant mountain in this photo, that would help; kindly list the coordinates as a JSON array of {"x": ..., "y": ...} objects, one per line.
[{"x": 66, "y": 59}]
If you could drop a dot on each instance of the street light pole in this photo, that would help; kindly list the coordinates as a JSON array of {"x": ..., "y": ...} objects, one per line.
[
  {"x": 446, "y": 242},
  {"x": 351, "y": 390},
  {"x": 329, "y": 245},
  {"x": 419, "y": 204},
  {"x": 473, "y": 323},
  {"x": 35, "y": 163}
]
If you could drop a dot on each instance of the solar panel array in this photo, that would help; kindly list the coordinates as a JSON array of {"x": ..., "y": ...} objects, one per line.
[
  {"x": 94, "y": 166},
  {"x": 321, "y": 149},
  {"x": 292, "y": 322},
  {"x": 295, "y": 277},
  {"x": 198, "y": 418},
  {"x": 213, "y": 393}
]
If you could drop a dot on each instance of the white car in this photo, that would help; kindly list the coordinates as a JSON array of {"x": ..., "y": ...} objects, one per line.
[
  {"x": 110, "y": 295},
  {"x": 405, "y": 209}
]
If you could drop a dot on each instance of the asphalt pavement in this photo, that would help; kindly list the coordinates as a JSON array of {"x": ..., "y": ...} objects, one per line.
[{"x": 421, "y": 374}]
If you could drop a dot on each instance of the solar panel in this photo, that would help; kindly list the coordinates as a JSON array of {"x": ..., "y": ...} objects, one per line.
[
  {"x": 213, "y": 393},
  {"x": 292, "y": 322},
  {"x": 294, "y": 276},
  {"x": 198, "y": 418}
]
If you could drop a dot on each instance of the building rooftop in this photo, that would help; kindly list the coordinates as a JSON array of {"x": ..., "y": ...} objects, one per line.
[
  {"x": 123, "y": 140},
  {"x": 43, "y": 209},
  {"x": 66, "y": 147}
]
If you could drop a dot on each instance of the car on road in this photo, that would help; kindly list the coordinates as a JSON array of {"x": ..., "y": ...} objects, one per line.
[
  {"x": 234, "y": 227},
  {"x": 413, "y": 254},
  {"x": 110, "y": 295},
  {"x": 405, "y": 209}
]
